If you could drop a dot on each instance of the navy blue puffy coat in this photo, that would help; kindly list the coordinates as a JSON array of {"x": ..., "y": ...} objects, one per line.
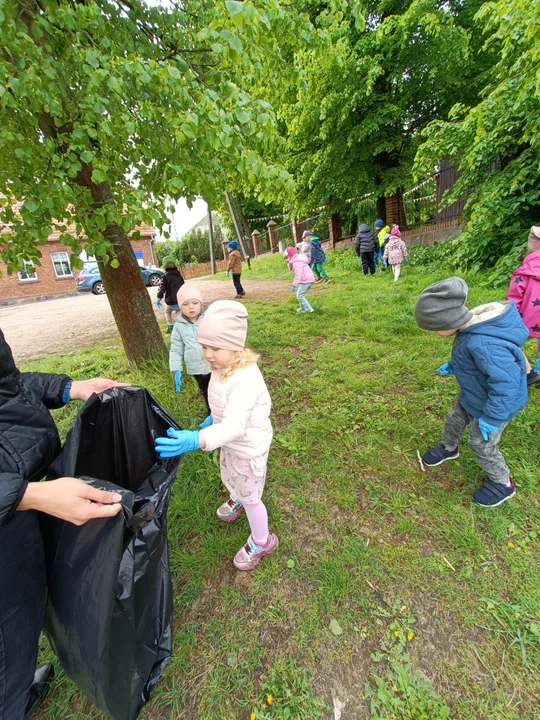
[
  {"x": 489, "y": 364},
  {"x": 317, "y": 253}
]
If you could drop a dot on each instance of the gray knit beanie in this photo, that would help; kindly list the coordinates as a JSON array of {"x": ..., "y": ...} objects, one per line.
[{"x": 442, "y": 305}]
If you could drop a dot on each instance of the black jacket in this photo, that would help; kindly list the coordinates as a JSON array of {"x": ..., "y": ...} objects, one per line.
[
  {"x": 171, "y": 283},
  {"x": 29, "y": 440},
  {"x": 366, "y": 240}
]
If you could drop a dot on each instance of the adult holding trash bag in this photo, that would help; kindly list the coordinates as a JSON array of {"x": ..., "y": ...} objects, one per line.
[{"x": 29, "y": 444}]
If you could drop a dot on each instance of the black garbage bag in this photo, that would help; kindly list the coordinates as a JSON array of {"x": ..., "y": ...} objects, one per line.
[{"x": 109, "y": 612}]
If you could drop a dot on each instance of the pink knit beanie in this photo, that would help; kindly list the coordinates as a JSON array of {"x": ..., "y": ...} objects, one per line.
[
  {"x": 534, "y": 239},
  {"x": 188, "y": 291},
  {"x": 394, "y": 232},
  {"x": 224, "y": 326}
]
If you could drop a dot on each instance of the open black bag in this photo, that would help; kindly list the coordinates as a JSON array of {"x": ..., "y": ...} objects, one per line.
[{"x": 109, "y": 613}]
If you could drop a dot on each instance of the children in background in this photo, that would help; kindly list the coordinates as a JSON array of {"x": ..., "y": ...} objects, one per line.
[
  {"x": 303, "y": 278},
  {"x": 303, "y": 246},
  {"x": 365, "y": 246},
  {"x": 289, "y": 252},
  {"x": 316, "y": 256},
  {"x": 239, "y": 425},
  {"x": 184, "y": 344},
  {"x": 489, "y": 366},
  {"x": 171, "y": 283},
  {"x": 381, "y": 233},
  {"x": 234, "y": 268},
  {"x": 524, "y": 290},
  {"x": 396, "y": 252}
]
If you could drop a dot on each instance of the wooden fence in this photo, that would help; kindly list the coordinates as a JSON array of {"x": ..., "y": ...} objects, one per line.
[{"x": 192, "y": 271}]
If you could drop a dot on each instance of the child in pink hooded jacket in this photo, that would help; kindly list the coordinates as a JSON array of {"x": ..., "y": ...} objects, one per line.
[
  {"x": 524, "y": 290},
  {"x": 395, "y": 252},
  {"x": 303, "y": 278},
  {"x": 239, "y": 425}
]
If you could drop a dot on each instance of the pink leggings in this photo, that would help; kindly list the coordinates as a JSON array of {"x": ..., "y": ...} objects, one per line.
[{"x": 258, "y": 522}]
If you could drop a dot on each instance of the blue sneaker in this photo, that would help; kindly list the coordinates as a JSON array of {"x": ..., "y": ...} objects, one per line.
[
  {"x": 439, "y": 454},
  {"x": 492, "y": 494}
]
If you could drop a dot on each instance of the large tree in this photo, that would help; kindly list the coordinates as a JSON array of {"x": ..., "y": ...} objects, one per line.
[
  {"x": 495, "y": 143},
  {"x": 386, "y": 69},
  {"x": 109, "y": 109}
]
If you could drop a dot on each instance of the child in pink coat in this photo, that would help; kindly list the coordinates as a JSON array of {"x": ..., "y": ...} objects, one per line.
[
  {"x": 524, "y": 290},
  {"x": 396, "y": 252},
  {"x": 303, "y": 278},
  {"x": 239, "y": 425}
]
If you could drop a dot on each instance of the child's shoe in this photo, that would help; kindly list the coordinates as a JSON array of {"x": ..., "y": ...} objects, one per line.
[
  {"x": 249, "y": 556},
  {"x": 169, "y": 329},
  {"x": 533, "y": 377},
  {"x": 326, "y": 281},
  {"x": 492, "y": 494},
  {"x": 439, "y": 454},
  {"x": 229, "y": 511}
]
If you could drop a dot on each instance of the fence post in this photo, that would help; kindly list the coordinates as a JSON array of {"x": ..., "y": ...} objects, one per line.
[
  {"x": 272, "y": 236},
  {"x": 296, "y": 231},
  {"x": 334, "y": 228},
  {"x": 256, "y": 240}
]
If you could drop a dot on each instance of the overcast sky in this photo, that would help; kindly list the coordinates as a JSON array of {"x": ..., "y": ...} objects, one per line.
[{"x": 184, "y": 219}]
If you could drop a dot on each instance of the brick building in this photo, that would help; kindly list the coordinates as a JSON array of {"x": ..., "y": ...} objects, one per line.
[{"x": 55, "y": 276}]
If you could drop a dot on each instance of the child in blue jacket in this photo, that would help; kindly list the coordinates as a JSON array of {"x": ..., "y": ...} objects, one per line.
[
  {"x": 489, "y": 365},
  {"x": 316, "y": 256}
]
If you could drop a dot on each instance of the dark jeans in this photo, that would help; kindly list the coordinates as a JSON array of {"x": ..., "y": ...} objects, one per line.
[
  {"x": 202, "y": 382},
  {"x": 238, "y": 284},
  {"x": 22, "y": 604},
  {"x": 368, "y": 262}
]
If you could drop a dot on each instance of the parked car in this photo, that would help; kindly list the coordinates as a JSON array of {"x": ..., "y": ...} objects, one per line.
[{"x": 89, "y": 279}]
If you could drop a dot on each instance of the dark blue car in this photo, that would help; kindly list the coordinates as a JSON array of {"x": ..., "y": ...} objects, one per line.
[{"x": 89, "y": 279}]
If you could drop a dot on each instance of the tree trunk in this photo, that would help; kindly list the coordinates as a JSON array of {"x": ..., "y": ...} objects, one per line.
[
  {"x": 130, "y": 302},
  {"x": 381, "y": 208}
]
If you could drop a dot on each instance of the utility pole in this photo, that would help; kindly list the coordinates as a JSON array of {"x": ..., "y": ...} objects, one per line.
[
  {"x": 235, "y": 223},
  {"x": 211, "y": 238}
]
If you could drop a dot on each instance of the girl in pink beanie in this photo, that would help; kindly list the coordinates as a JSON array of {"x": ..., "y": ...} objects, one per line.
[
  {"x": 239, "y": 425},
  {"x": 524, "y": 290},
  {"x": 395, "y": 252}
]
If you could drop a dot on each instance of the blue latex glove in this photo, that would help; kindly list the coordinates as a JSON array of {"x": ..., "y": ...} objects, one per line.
[
  {"x": 177, "y": 375},
  {"x": 207, "y": 422},
  {"x": 158, "y": 303},
  {"x": 537, "y": 366},
  {"x": 445, "y": 369},
  {"x": 406, "y": 261},
  {"x": 228, "y": 273},
  {"x": 179, "y": 442},
  {"x": 486, "y": 429},
  {"x": 293, "y": 288}
]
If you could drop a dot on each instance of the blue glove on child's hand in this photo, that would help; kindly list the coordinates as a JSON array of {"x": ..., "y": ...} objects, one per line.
[
  {"x": 177, "y": 375},
  {"x": 486, "y": 429},
  {"x": 445, "y": 369},
  {"x": 293, "y": 288},
  {"x": 406, "y": 261},
  {"x": 158, "y": 303},
  {"x": 537, "y": 366},
  {"x": 207, "y": 422},
  {"x": 179, "y": 442},
  {"x": 228, "y": 273}
]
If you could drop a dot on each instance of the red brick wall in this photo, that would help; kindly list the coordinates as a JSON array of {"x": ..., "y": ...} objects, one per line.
[{"x": 47, "y": 284}]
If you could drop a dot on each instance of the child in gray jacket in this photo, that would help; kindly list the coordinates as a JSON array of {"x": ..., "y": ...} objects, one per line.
[{"x": 184, "y": 345}]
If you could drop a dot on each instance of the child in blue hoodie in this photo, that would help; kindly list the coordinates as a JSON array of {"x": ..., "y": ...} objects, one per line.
[{"x": 489, "y": 365}]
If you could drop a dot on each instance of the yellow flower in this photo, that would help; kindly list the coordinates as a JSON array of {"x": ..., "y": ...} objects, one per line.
[
  {"x": 396, "y": 633},
  {"x": 511, "y": 544},
  {"x": 410, "y": 636},
  {"x": 269, "y": 699},
  {"x": 252, "y": 716}
]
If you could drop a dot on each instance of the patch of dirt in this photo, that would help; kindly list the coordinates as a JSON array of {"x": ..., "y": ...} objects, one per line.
[{"x": 58, "y": 327}]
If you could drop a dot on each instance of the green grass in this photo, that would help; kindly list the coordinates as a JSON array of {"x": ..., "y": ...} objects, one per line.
[{"x": 366, "y": 539}]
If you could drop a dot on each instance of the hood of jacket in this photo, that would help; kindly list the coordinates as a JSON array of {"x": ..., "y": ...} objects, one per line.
[
  {"x": 531, "y": 266},
  {"x": 172, "y": 271},
  {"x": 299, "y": 258},
  {"x": 364, "y": 229},
  {"x": 499, "y": 320},
  {"x": 7, "y": 363}
]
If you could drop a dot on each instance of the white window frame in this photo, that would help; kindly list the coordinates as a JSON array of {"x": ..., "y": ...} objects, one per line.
[
  {"x": 65, "y": 258},
  {"x": 27, "y": 264}
]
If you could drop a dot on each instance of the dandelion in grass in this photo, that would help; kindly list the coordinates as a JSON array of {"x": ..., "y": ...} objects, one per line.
[
  {"x": 269, "y": 699},
  {"x": 252, "y": 716},
  {"x": 511, "y": 544},
  {"x": 410, "y": 636}
]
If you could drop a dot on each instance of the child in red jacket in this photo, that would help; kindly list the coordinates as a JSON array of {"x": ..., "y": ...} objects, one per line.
[{"x": 524, "y": 290}]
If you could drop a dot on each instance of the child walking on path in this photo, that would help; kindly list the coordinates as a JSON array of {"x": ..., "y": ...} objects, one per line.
[
  {"x": 524, "y": 290},
  {"x": 184, "y": 345},
  {"x": 381, "y": 231},
  {"x": 239, "y": 425},
  {"x": 234, "y": 268},
  {"x": 171, "y": 283},
  {"x": 489, "y": 366},
  {"x": 303, "y": 279},
  {"x": 396, "y": 252},
  {"x": 316, "y": 256}
]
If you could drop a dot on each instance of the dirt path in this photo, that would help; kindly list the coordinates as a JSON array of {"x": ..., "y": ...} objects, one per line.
[{"x": 57, "y": 327}]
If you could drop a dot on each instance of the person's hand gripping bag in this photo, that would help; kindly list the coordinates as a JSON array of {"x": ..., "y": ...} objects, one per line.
[{"x": 109, "y": 611}]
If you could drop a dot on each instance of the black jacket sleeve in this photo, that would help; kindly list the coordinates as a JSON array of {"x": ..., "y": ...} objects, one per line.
[
  {"x": 162, "y": 287},
  {"x": 49, "y": 388},
  {"x": 12, "y": 488},
  {"x": 357, "y": 245}
]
